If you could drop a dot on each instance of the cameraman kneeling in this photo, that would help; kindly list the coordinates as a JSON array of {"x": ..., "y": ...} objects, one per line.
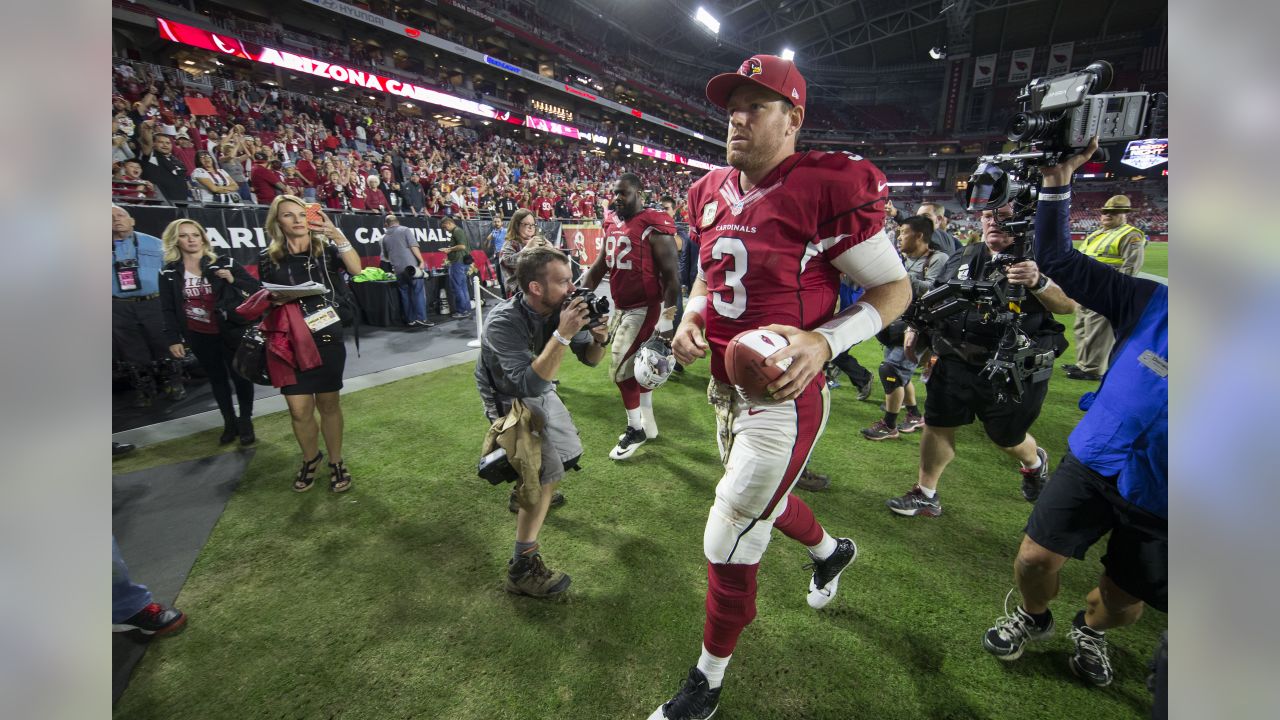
[
  {"x": 957, "y": 392},
  {"x": 524, "y": 342}
]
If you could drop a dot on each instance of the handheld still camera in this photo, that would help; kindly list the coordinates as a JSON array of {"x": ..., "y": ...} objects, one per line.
[{"x": 597, "y": 307}]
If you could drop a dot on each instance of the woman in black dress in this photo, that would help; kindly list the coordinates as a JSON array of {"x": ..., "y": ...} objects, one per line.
[
  {"x": 199, "y": 292},
  {"x": 302, "y": 251}
]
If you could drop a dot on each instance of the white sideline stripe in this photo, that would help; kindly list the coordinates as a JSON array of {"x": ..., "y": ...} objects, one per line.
[{"x": 212, "y": 419}]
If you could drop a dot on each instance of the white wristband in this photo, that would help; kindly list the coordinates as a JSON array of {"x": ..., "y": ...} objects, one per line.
[
  {"x": 559, "y": 338},
  {"x": 697, "y": 306},
  {"x": 858, "y": 323}
]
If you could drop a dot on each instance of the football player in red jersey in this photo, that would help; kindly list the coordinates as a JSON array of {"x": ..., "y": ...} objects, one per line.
[
  {"x": 639, "y": 254},
  {"x": 776, "y": 228}
]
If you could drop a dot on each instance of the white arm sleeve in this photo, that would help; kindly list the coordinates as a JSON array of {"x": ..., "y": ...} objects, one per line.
[{"x": 870, "y": 263}]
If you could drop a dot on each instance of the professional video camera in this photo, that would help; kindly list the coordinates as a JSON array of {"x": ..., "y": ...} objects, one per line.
[
  {"x": 1059, "y": 117},
  {"x": 1016, "y": 359}
]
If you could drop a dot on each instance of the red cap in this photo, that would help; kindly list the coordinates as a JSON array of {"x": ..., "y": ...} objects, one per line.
[{"x": 767, "y": 71}]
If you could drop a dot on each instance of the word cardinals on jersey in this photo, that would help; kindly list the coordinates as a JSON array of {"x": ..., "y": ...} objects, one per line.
[
  {"x": 766, "y": 254},
  {"x": 633, "y": 273}
]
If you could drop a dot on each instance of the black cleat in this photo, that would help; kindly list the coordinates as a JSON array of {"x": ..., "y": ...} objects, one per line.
[
  {"x": 696, "y": 700},
  {"x": 826, "y": 573}
]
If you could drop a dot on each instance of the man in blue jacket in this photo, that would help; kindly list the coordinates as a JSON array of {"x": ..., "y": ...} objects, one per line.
[{"x": 1114, "y": 477}]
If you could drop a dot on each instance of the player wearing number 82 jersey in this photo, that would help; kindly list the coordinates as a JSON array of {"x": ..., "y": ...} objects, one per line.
[{"x": 639, "y": 253}]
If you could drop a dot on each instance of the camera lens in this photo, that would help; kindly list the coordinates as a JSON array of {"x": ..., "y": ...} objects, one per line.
[{"x": 1024, "y": 127}]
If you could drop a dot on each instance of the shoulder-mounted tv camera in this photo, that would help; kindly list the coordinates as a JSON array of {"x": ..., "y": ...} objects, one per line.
[{"x": 1059, "y": 116}]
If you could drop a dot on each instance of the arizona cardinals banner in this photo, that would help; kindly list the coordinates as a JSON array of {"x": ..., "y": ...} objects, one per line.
[
  {"x": 984, "y": 71},
  {"x": 1060, "y": 58},
  {"x": 1020, "y": 65},
  {"x": 237, "y": 232}
]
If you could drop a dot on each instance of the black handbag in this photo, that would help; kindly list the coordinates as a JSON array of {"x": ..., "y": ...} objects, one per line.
[{"x": 251, "y": 356}]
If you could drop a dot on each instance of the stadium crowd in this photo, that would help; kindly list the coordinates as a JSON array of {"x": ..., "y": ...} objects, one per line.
[{"x": 349, "y": 157}]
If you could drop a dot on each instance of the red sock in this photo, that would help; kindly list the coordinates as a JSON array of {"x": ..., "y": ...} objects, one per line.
[
  {"x": 630, "y": 393},
  {"x": 731, "y": 605},
  {"x": 798, "y": 523}
]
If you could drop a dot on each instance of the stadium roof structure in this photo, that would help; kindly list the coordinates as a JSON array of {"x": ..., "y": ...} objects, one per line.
[{"x": 836, "y": 41}]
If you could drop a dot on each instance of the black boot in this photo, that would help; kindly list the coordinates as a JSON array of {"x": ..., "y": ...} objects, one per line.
[
  {"x": 174, "y": 382},
  {"x": 246, "y": 431},
  {"x": 229, "y": 428},
  {"x": 144, "y": 385}
]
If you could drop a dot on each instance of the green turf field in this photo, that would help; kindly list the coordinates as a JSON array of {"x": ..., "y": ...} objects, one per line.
[{"x": 385, "y": 602}]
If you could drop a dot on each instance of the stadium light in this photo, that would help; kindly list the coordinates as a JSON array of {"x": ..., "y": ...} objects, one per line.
[
  {"x": 937, "y": 53},
  {"x": 705, "y": 18},
  {"x": 788, "y": 54}
]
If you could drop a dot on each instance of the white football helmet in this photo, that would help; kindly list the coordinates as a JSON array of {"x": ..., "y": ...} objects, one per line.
[{"x": 654, "y": 362}]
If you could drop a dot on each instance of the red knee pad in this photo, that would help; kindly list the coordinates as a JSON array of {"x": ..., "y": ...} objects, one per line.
[
  {"x": 731, "y": 605},
  {"x": 798, "y": 523}
]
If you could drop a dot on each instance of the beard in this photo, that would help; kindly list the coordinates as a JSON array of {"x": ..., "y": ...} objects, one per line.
[
  {"x": 759, "y": 152},
  {"x": 752, "y": 158}
]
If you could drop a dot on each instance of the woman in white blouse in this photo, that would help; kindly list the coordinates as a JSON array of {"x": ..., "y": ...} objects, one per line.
[{"x": 213, "y": 184}]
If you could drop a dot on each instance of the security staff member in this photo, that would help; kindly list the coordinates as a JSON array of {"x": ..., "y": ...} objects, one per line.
[
  {"x": 137, "y": 327},
  {"x": 957, "y": 392},
  {"x": 1115, "y": 475},
  {"x": 1120, "y": 246}
]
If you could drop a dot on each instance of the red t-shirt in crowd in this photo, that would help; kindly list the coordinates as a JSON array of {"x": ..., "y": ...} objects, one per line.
[
  {"x": 307, "y": 169},
  {"x": 544, "y": 207},
  {"x": 263, "y": 181}
]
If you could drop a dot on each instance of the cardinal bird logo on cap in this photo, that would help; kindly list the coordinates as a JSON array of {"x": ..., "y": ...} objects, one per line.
[{"x": 751, "y": 67}]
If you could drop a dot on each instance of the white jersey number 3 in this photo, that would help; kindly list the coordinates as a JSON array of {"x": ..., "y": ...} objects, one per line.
[
  {"x": 616, "y": 249},
  {"x": 735, "y": 248}
]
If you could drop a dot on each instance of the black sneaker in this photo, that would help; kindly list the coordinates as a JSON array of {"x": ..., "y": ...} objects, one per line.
[
  {"x": 826, "y": 573},
  {"x": 1013, "y": 631},
  {"x": 154, "y": 619},
  {"x": 812, "y": 481},
  {"x": 911, "y": 423},
  {"x": 915, "y": 503},
  {"x": 1078, "y": 374},
  {"x": 864, "y": 390},
  {"x": 1033, "y": 481},
  {"x": 880, "y": 430},
  {"x": 1090, "y": 661},
  {"x": 695, "y": 700},
  {"x": 628, "y": 443}
]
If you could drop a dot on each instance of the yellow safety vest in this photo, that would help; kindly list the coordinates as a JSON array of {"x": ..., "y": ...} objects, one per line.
[{"x": 1104, "y": 245}]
